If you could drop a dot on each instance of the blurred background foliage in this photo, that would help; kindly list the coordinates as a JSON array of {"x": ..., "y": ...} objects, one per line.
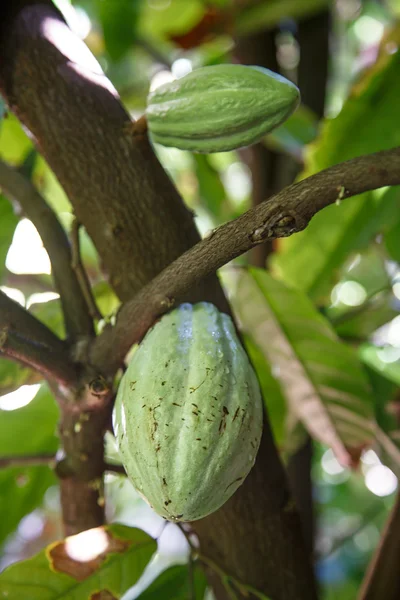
[{"x": 330, "y": 301}]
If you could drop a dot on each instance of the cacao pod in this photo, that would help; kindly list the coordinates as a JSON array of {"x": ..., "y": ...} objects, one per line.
[
  {"x": 219, "y": 108},
  {"x": 188, "y": 413}
]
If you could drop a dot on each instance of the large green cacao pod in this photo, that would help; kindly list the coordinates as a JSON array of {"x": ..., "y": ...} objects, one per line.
[
  {"x": 219, "y": 108},
  {"x": 188, "y": 413}
]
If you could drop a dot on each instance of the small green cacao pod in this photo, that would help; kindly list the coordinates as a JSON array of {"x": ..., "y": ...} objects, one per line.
[
  {"x": 188, "y": 413},
  {"x": 219, "y": 108}
]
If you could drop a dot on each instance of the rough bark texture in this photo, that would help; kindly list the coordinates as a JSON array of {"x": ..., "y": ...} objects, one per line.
[{"x": 138, "y": 224}]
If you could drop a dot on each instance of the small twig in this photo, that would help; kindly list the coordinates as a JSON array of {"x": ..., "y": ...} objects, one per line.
[
  {"x": 368, "y": 303},
  {"x": 368, "y": 516},
  {"x": 35, "y": 207},
  {"x": 153, "y": 51},
  {"x": 81, "y": 274},
  {"x": 28, "y": 461},
  {"x": 282, "y": 215}
]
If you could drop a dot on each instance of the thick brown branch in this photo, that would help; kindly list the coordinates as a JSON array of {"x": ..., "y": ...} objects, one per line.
[
  {"x": 50, "y": 364},
  {"x": 35, "y": 207},
  {"x": 382, "y": 580},
  {"x": 27, "y": 340},
  {"x": 284, "y": 214}
]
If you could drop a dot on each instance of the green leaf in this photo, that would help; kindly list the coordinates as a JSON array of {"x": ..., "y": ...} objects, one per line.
[
  {"x": 364, "y": 125},
  {"x": 13, "y": 375},
  {"x": 161, "y": 19},
  {"x": 26, "y": 431},
  {"x": 22, "y": 490},
  {"x": 8, "y": 223},
  {"x": 272, "y": 393},
  {"x": 257, "y": 16},
  {"x": 54, "y": 573},
  {"x": 211, "y": 189},
  {"x": 322, "y": 379},
  {"x": 291, "y": 137},
  {"x": 50, "y": 314},
  {"x": 392, "y": 241},
  {"x": 175, "y": 583},
  {"x": 32, "y": 428},
  {"x": 14, "y": 143},
  {"x": 312, "y": 258},
  {"x": 119, "y": 20}
]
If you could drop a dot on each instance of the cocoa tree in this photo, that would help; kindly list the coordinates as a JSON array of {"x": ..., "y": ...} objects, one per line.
[{"x": 257, "y": 544}]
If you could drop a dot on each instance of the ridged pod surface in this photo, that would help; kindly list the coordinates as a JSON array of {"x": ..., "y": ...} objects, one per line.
[
  {"x": 188, "y": 413},
  {"x": 219, "y": 108}
]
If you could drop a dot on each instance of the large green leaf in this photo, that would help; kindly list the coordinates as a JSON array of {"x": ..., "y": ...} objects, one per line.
[
  {"x": 29, "y": 430},
  {"x": 366, "y": 123},
  {"x": 22, "y": 490},
  {"x": 322, "y": 379},
  {"x": 14, "y": 143},
  {"x": 392, "y": 241},
  {"x": 160, "y": 20},
  {"x": 8, "y": 223},
  {"x": 272, "y": 393},
  {"x": 211, "y": 189},
  {"x": 257, "y": 16},
  {"x": 58, "y": 573},
  {"x": 175, "y": 583},
  {"x": 118, "y": 20}
]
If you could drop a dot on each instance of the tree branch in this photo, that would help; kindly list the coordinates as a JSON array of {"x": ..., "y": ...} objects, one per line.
[
  {"x": 24, "y": 338},
  {"x": 50, "y": 364},
  {"x": 46, "y": 459},
  {"x": 27, "y": 461},
  {"x": 381, "y": 579},
  {"x": 286, "y": 213},
  {"x": 35, "y": 207}
]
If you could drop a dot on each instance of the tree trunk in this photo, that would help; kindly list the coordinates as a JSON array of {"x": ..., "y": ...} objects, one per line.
[{"x": 139, "y": 224}]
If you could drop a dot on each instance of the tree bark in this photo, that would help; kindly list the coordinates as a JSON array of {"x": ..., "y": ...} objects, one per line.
[{"x": 139, "y": 224}]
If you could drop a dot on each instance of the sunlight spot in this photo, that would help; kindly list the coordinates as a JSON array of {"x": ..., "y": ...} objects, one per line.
[
  {"x": 393, "y": 334},
  {"x": 368, "y": 30},
  {"x": 355, "y": 262},
  {"x": 41, "y": 298},
  {"x": 388, "y": 354},
  {"x": 370, "y": 458},
  {"x": 87, "y": 545},
  {"x": 396, "y": 290},
  {"x": 26, "y": 253},
  {"x": 19, "y": 398},
  {"x": 381, "y": 481},
  {"x": 76, "y": 17},
  {"x": 237, "y": 181},
  {"x": 14, "y": 294},
  {"x": 160, "y": 78},
  {"x": 31, "y": 526},
  {"x": 181, "y": 67},
  {"x": 330, "y": 464},
  {"x": 350, "y": 293}
]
